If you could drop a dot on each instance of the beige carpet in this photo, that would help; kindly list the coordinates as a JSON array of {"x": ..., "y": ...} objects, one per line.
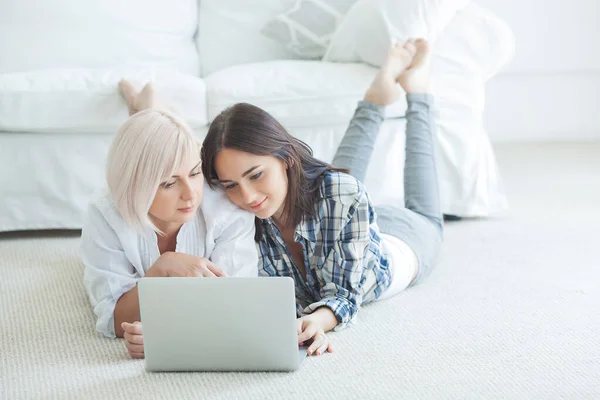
[{"x": 512, "y": 312}]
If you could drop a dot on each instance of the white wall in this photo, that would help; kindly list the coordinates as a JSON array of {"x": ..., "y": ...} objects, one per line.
[{"x": 551, "y": 89}]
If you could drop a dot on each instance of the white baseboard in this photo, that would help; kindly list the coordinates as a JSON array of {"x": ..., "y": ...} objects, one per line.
[{"x": 563, "y": 106}]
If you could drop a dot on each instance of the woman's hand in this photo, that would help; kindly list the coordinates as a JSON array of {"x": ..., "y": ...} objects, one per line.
[
  {"x": 134, "y": 340},
  {"x": 311, "y": 330},
  {"x": 184, "y": 265}
]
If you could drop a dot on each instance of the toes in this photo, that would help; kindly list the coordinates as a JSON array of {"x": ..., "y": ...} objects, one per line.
[
  {"x": 148, "y": 89},
  {"x": 410, "y": 46},
  {"x": 129, "y": 93},
  {"x": 409, "y": 43},
  {"x": 127, "y": 87},
  {"x": 146, "y": 98},
  {"x": 422, "y": 52},
  {"x": 147, "y": 93},
  {"x": 422, "y": 45}
]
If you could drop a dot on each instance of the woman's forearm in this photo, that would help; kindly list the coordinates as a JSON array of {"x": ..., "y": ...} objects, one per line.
[
  {"x": 325, "y": 317},
  {"x": 127, "y": 310}
]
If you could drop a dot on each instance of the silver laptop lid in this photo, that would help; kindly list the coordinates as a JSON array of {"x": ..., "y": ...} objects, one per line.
[{"x": 219, "y": 324}]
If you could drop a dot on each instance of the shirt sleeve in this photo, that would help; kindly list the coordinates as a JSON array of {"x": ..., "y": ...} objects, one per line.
[
  {"x": 108, "y": 274},
  {"x": 235, "y": 249},
  {"x": 344, "y": 273}
]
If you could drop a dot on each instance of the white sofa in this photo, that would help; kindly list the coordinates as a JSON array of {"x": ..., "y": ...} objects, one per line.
[{"x": 59, "y": 104}]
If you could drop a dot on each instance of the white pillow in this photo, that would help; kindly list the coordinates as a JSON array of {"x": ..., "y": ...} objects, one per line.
[
  {"x": 476, "y": 42},
  {"x": 371, "y": 26},
  {"x": 229, "y": 33},
  {"x": 85, "y": 100},
  {"x": 307, "y": 27}
]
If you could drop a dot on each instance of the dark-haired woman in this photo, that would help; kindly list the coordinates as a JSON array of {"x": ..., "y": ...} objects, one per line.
[{"x": 315, "y": 221}]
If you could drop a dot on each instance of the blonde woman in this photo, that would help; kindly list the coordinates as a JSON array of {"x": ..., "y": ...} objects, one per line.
[{"x": 157, "y": 218}]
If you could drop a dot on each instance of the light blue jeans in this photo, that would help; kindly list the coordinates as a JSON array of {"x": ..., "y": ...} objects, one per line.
[{"x": 419, "y": 222}]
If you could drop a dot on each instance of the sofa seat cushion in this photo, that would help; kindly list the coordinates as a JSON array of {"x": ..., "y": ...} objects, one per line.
[
  {"x": 297, "y": 93},
  {"x": 88, "y": 100}
]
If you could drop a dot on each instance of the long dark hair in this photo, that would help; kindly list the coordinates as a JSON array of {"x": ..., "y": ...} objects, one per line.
[{"x": 250, "y": 129}]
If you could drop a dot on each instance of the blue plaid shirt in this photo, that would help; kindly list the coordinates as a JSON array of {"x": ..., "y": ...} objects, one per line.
[{"x": 343, "y": 256}]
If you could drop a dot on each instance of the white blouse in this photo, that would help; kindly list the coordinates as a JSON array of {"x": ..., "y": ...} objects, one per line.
[{"x": 116, "y": 256}]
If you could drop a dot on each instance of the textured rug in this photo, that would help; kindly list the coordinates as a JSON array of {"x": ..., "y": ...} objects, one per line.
[{"x": 512, "y": 312}]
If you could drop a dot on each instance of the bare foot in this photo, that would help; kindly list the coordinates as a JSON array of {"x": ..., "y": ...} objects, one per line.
[
  {"x": 146, "y": 98},
  {"x": 415, "y": 79},
  {"x": 383, "y": 90},
  {"x": 129, "y": 94}
]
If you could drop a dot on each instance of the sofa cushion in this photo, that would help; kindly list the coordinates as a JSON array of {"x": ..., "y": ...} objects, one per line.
[
  {"x": 86, "y": 100},
  {"x": 297, "y": 93},
  {"x": 40, "y": 34}
]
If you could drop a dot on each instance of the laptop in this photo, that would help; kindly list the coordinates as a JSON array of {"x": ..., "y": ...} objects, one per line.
[{"x": 220, "y": 324}]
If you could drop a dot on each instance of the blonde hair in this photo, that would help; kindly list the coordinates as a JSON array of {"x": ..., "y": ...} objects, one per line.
[{"x": 146, "y": 151}]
